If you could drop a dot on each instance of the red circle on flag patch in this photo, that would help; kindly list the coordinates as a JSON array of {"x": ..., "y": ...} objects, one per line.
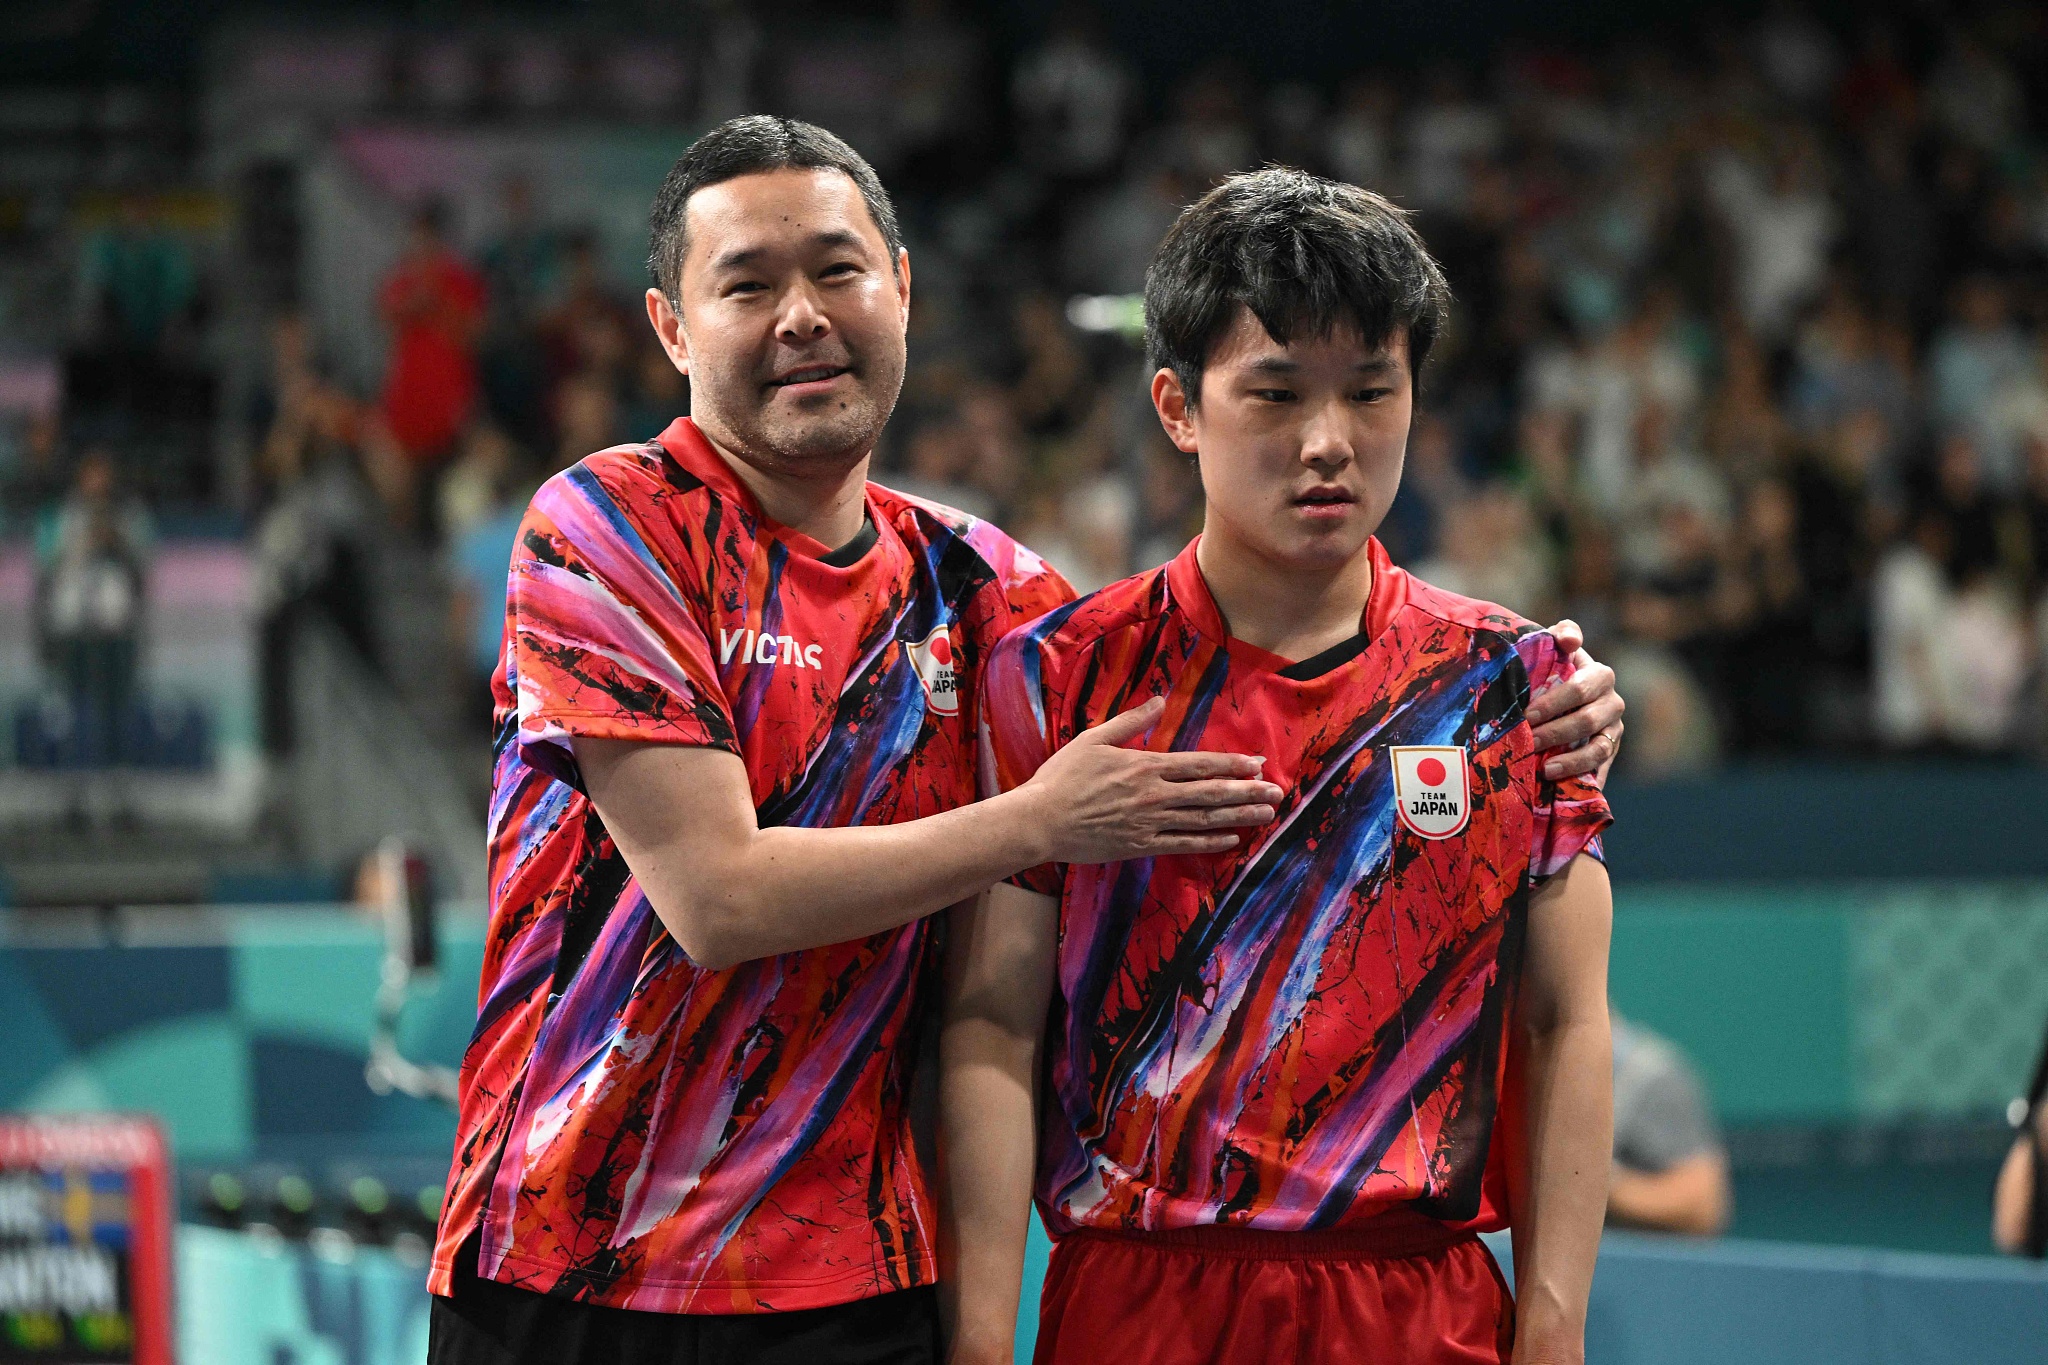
[
  {"x": 942, "y": 649},
  {"x": 1432, "y": 772}
]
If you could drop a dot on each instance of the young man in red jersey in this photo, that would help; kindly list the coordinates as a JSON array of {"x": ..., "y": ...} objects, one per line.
[
  {"x": 1281, "y": 1088},
  {"x": 735, "y": 770}
]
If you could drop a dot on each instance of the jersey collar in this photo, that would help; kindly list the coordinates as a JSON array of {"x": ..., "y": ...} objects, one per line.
[
  {"x": 1190, "y": 592},
  {"x": 691, "y": 449}
]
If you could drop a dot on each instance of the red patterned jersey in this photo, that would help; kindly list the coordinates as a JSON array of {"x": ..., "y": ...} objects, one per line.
[
  {"x": 1312, "y": 1028},
  {"x": 637, "y": 1131}
]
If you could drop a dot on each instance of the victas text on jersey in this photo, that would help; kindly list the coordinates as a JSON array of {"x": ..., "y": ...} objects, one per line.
[{"x": 755, "y": 647}]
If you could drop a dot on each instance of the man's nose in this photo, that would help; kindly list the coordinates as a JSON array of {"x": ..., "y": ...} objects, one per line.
[
  {"x": 1326, "y": 441},
  {"x": 802, "y": 318}
]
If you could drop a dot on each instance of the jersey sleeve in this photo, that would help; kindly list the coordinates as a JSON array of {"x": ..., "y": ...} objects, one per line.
[
  {"x": 1015, "y": 739},
  {"x": 605, "y": 642},
  {"x": 1571, "y": 814}
]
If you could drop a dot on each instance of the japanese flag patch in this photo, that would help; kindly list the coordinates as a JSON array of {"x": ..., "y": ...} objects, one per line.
[
  {"x": 932, "y": 657},
  {"x": 1431, "y": 788}
]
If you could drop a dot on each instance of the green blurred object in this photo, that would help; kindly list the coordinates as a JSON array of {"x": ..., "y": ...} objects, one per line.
[
  {"x": 295, "y": 1192},
  {"x": 369, "y": 1194},
  {"x": 227, "y": 1192}
]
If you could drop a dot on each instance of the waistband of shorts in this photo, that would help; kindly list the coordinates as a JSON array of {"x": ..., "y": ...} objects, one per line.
[{"x": 1389, "y": 1236}]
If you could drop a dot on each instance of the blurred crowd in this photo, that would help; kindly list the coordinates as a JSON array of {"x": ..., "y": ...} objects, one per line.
[{"x": 1748, "y": 372}]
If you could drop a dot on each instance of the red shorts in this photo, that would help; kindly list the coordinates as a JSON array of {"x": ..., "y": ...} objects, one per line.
[{"x": 1403, "y": 1290}]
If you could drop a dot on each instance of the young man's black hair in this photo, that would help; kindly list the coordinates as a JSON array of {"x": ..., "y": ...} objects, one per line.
[
  {"x": 747, "y": 145},
  {"x": 1305, "y": 255}
]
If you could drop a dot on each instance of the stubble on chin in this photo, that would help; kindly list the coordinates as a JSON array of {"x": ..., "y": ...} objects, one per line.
[
  {"x": 834, "y": 436},
  {"x": 823, "y": 441}
]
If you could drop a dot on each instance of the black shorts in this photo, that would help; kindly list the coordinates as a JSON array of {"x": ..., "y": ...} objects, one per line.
[{"x": 487, "y": 1323}]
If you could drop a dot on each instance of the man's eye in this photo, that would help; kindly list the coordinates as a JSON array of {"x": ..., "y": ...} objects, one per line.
[
  {"x": 745, "y": 287},
  {"x": 1372, "y": 395},
  {"x": 1274, "y": 395},
  {"x": 840, "y": 268}
]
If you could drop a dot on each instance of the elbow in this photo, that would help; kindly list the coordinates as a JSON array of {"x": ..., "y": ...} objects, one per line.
[
  {"x": 1709, "y": 1216},
  {"x": 710, "y": 955},
  {"x": 707, "y": 937}
]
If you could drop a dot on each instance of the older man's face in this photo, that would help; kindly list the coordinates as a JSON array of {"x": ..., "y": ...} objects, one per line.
[{"x": 792, "y": 321}]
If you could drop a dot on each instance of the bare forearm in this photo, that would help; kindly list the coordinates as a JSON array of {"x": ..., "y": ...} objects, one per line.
[
  {"x": 729, "y": 891},
  {"x": 1570, "y": 1143},
  {"x": 999, "y": 972},
  {"x": 2012, "y": 1198},
  {"x": 1690, "y": 1197},
  {"x": 986, "y": 1127},
  {"x": 785, "y": 889}
]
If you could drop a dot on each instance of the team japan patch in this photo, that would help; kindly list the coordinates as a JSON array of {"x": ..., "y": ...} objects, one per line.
[
  {"x": 1432, "y": 790},
  {"x": 932, "y": 657}
]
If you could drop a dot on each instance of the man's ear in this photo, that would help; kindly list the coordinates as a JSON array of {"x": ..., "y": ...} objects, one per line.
[
  {"x": 903, "y": 286},
  {"x": 1170, "y": 401},
  {"x": 669, "y": 328}
]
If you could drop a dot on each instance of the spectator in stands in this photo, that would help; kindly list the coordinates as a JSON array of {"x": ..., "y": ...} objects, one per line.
[
  {"x": 1838, "y": 368},
  {"x": 656, "y": 396},
  {"x": 479, "y": 560},
  {"x": 1975, "y": 513},
  {"x": 1985, "y": 661},
  {"x": 1783, "y": 224},
  {"x": 95, "y": 559},
  {"x": 34, "y": 479},
  {"x": 1073, "y": 98},
  {"x": 1111, "y": 239},
  {"x": 1357, "y": 143},
  {"x": 316, "y": 524},
  {"x": 434, "y": 304},
  {"x": 1670, "y": 1170},
  {"x": 1488, "y": 548},
  {"x": 1974, "y": 95},
  {"x": 587, "y": 328},
  {"x": 586, "y": 417},
  {"x": 1951, "y": 649},
  {"x": 1975, "y": 361},
  {"x": 1909, "y": 604},
  {"x": 1055, "y": 389},
  {"x": 938, "y": 467},
  {"x": 475, "y": 482},
  {"x": 1680, "y": 594},
  {"x": 521, "y": 268},
  {"x": 938, "y": 121},
  {"x": 1893, "y": 226},
  {"x": 137, "y": 280},
  {"x": 1771, "y": 632}
]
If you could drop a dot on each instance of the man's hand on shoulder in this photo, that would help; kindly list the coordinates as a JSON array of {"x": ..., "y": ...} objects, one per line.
[{"x": 1577, "y": 723}]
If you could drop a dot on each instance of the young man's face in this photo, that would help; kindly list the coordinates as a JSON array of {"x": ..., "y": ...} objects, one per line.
[
  {"x": 792, "y": 320},
  {"x": 1300, "y": 446}
]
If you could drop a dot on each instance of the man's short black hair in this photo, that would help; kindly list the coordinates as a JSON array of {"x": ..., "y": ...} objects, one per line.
[
  {"x": 1305, "y": 255},
  {"x": 747, "y": 145}
]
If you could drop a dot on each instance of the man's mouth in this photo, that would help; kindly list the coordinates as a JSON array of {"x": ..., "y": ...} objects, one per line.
[
  {"x": 1326, "y": 497},
  {"x": 808, "y": 374}
]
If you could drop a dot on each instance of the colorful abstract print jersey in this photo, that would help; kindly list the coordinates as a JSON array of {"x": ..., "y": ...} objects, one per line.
[
  {"x": 636, "y": 1131},
  {"x": 1312, "y": 1029}
]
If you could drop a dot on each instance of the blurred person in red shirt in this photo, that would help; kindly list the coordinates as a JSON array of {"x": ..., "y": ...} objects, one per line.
[{"x": 434, "y": 303}]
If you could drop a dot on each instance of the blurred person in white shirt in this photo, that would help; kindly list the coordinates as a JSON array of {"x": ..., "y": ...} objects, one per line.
[{"x": 1784, "y": 224}]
